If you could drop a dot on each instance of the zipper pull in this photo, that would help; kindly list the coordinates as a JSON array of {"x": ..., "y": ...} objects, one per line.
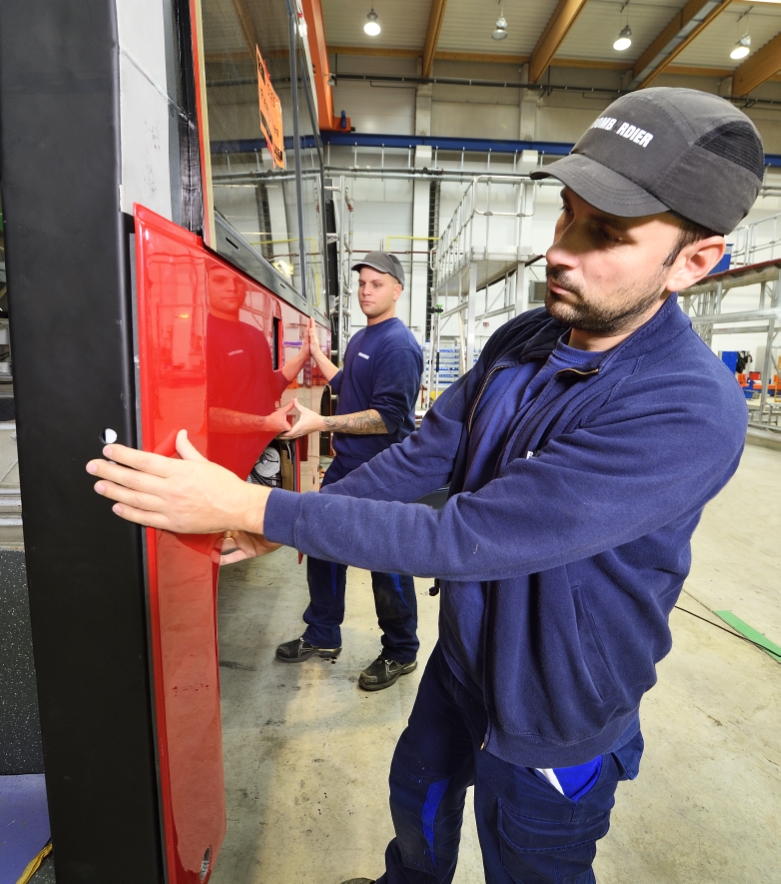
[{"x": 434, "y": 590}]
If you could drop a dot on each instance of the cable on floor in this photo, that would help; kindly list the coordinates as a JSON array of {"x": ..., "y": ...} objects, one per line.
[{"x": 722, "y": 628}]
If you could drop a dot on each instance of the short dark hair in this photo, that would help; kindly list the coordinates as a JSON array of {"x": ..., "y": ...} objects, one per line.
[{"x": 689, "y": 233}]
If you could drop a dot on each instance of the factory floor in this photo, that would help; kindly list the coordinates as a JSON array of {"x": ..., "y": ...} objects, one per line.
[{"x": 307, "y": 752}]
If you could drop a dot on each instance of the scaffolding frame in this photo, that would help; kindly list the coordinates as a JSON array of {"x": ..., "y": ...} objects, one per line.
[
  {"x": 466, "y": 260},
  {"x": 704, "y": 303}
]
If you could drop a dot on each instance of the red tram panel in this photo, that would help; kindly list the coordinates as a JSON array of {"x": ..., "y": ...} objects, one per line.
[{"x": 180, "y": 287}]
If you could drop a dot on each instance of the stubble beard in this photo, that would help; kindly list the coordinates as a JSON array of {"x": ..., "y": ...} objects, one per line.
[{"x": 629, "y": 304}]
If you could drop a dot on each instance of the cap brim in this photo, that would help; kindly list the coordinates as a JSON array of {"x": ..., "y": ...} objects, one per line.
[{"x": 601, "y": 187}]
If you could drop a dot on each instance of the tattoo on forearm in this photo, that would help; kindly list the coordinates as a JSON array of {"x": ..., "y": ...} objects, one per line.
[{"x": 362, "y": 423}]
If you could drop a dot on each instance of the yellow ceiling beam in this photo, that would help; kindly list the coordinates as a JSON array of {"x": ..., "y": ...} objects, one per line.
[
  {"x": 376, "y": 51},
  {"x": 757, "y": 68},
  {"x": 680, "y": 22},
  {"x": 559, "y": 24},
  {"x": 435, "y": 19},
  {"x": 481, "y": 57}
]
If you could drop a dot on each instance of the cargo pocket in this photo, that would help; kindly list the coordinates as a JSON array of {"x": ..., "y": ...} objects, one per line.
[{"x": 537, "y": 851}]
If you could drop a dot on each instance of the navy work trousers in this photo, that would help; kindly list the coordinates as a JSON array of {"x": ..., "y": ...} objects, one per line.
[
  {"x": 529, "y": 832},
  {"x": 394, "y": 601}
]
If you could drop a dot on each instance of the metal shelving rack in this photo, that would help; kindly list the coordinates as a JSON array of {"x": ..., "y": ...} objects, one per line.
[
  {"x": 484, "y": 243},
  {"x": 758, "y": 249}
]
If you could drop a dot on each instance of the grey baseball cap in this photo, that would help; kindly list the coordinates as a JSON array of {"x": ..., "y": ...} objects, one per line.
[
  {"x": 383, "y": 262},
  {"x": 658, "y": 150}
]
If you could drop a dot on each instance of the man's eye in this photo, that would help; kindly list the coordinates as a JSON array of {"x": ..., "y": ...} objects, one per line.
[{"x": 607, "y": 237}]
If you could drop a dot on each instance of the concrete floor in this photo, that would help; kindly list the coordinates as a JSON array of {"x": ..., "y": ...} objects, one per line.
[{"x": 307, "y": 753}]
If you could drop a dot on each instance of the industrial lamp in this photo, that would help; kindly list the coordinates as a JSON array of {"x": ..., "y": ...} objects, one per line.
[
  {"x": 742, "y": 47},
  {"x": 623, "y": 41},
  {"x": 501, "y": 26},
  {"x": 372, "y": 26}
]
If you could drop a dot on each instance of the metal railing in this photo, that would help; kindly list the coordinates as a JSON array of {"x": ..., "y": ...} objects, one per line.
[
  {"x": 757, "y": 242},
  {"x": 468, "y": 236}
]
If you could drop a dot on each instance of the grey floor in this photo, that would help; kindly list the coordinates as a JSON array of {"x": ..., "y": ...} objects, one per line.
[{"x": 307, "y": 752}]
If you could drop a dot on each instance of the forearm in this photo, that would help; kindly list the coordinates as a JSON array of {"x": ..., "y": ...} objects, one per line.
[
  {"x": 224, "y": 420},
  {"x": 327, "y": 368},
  {"x": 293, "y": 366},
  {"x": 359, "y": 423}
]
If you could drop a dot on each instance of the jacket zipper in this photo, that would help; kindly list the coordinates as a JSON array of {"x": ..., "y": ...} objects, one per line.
[
  {"x": 486, "y": 379},
  {"x": 496, "y": 368}
]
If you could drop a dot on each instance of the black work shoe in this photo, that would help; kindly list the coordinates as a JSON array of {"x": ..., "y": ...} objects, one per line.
[
  {"x": 298, "y": 650},
  {"x": 383, "y": 673}
]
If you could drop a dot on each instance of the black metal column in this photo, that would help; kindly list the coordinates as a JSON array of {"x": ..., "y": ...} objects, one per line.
[{"x": 67, "y": 247}]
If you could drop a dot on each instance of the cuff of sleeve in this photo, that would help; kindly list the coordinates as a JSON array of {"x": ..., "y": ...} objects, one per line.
[
  {"x": 336, "y": 382},
  {"x": 391, "y": 423},
  {"x": 282, "y": 510}
]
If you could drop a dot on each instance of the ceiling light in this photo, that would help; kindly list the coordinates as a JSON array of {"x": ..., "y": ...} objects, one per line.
[
  {"x": 372, "y": 27},
  {"x": 742, "y": 48},
  {"x": 501, "y": 28},
  {"x": 623, "y": 42}
]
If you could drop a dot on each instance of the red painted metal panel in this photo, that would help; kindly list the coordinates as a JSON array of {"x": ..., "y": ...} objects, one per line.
[{"x": 206, "y": 364}]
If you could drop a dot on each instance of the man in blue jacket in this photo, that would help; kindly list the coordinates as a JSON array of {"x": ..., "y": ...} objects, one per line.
[
  {"x": 580, "y": 452},
  {"x": 377, "y": 389}
]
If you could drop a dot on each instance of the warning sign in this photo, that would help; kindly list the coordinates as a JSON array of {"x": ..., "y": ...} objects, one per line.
[{"x": 270, "y": 114}]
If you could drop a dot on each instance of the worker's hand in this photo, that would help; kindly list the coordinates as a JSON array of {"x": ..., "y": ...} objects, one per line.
[
  {"x": 240, "y": 545},
  {"x": 304, "y": 352},
  {"x": 314, "y": 344},
  {"x": 277, "y": 421},
  {"x": 308, "y": 422},
  {"x": 187, "y": 496}
]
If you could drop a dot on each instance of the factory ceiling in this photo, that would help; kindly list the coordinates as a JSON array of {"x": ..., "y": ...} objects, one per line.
[{"x": 672, "y": 36}]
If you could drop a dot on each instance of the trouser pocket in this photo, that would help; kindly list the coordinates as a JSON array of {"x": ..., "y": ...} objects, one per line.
[{"x": 536, "y": 851}]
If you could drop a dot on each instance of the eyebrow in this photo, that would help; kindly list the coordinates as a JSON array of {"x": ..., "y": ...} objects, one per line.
[{"x": 622, "y": 224}]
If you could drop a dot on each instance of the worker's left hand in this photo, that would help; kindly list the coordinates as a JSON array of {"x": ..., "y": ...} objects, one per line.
[
  {"x": 308, "y": 422},
  {"x": 187, "y": 496},
  {"x": 240, "y": 545}
]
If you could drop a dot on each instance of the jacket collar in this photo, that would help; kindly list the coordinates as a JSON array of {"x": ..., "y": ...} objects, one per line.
[{"x": 667, "y": 323}]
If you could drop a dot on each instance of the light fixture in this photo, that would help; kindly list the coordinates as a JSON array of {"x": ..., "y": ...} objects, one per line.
[
  {"x": 623, "y": 42},
  {"x": 501, "y": 26},
  {"x": 742, "y": 47},
  {"x": 372, "y": 27}
]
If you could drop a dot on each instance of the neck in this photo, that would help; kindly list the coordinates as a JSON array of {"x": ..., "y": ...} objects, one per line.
[
  {"x": 376, "y": 320},
  {"x": 220, "y": 314}
]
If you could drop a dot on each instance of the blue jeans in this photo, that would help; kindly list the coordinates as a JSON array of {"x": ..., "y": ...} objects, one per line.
[
  {"x": 529, "y": 832},
  {"x": 394, "y": 601}
]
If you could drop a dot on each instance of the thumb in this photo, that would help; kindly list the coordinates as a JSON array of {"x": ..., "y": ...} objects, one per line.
[
  {"x": 185, "y": 448},
  {"x": 289, "y": 406}
]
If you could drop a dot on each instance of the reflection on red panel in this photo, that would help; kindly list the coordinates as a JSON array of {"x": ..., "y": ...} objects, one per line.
[{"x": 211, "y": 346}]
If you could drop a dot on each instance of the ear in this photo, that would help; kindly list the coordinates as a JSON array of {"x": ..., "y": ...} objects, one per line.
[
  {"x": 397, "y": 291},
  {"x": 694, "y": 262}
]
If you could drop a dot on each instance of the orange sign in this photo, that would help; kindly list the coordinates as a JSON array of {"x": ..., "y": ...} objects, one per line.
[{"x": 270, "y": 114}]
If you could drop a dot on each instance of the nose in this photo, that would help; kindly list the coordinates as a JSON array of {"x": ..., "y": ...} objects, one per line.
[{"x": 564, "y": 249}]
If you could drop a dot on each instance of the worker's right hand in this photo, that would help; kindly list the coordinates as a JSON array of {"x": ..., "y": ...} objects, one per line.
[
  {"x": 240, "y": 545},
  {"x": 314, "y": 344}
]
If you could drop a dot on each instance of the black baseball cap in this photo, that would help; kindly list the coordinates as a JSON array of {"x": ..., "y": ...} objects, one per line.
[
  {"x": 383, "y": 262},
  {"x": 658, "y": 150}
]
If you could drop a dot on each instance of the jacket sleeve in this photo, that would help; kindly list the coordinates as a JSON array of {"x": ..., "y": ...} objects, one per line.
[
  {"x": 643, "y": 460},
  {"x": 396, "y": 386}
]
